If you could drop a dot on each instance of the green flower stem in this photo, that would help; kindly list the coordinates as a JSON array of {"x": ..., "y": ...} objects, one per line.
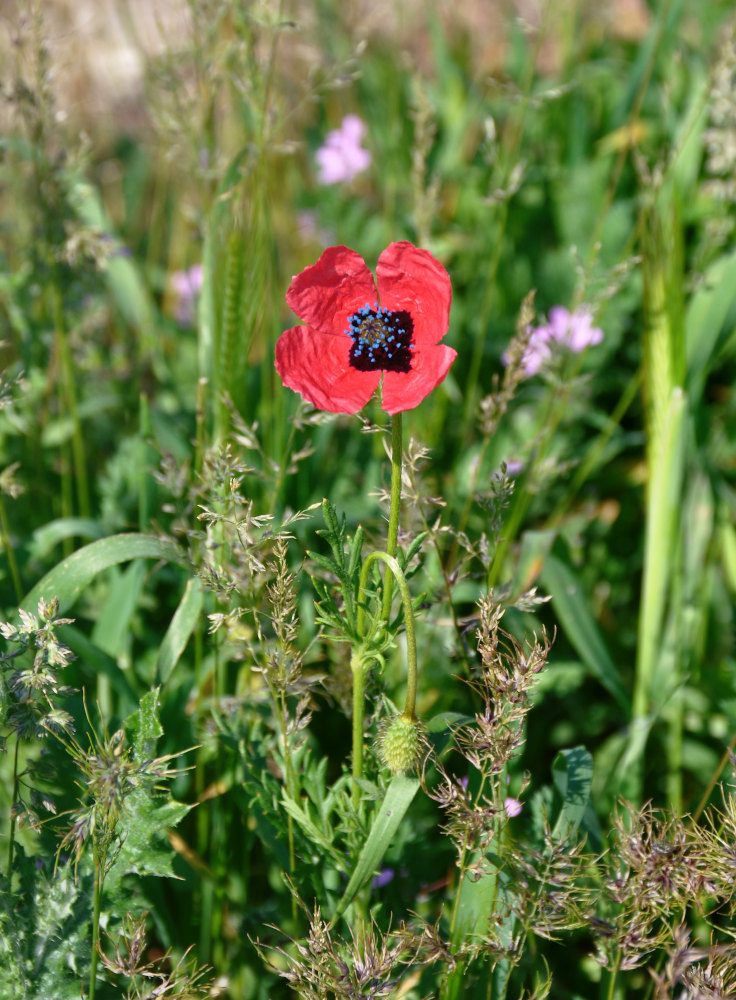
[
  {"x": 359, "y": 665},
  {"x": 392, "y": 541},
  {"x": 362, "y": 656},
  {"x": 411, "y": 642}
]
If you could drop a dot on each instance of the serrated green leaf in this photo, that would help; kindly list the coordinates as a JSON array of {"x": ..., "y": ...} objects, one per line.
[
  {"x": 143, "y": 827},
  {"x": 399, "y": 795},
  {"x": 144, "y": 726},
  {"x": 325, "y": 562},
  {"x": 356, "y": 549}
]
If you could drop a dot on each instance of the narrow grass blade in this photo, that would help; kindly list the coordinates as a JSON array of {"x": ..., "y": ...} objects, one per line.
[
  {"x": 580, "y": 627},
  {"x": 399, "y": 795},
  {"x": 180, "y": 629},
  {"x": 663, "y": 506},
  {"x": 70, "y": 577}
]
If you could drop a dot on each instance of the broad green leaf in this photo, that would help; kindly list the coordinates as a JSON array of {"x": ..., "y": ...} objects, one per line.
[
  {"x": 393, "y": 809},
  {"x": 580, "y": 627},
  {"x": 70, "y": 577},
  {"x": 705, "y": 319},
  {"x": 180, "y": 629},
  {"x": 572, "y": 773},
  {"x": 113, "y": 623}
]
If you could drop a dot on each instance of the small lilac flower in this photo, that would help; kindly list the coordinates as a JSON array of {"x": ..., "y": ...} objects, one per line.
[
  {"x": 186, "y": 286},
  {"x": 383, "y": 878},
  {"x": 342, "y": 157},
  {"x": 514, "y": 466},
  {"x": 575, "y": 331},
  {"x": 512, "y": 806}
]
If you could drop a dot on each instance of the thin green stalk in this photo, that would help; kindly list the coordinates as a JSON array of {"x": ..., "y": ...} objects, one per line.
[
  {"x": 10, "y": 552},
  {"x": 610, "y": 993},
  {"x": 97, "y": 902},
  {"x": 411, "y": 641},
  {"x": 11, "y": 844},
  {"x": 392, "y": 540},
  {"x": 69, "y": 400},
  {"x": 359, "y": 667}
]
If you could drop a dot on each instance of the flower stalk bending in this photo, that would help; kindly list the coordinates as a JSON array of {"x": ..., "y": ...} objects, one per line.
[{"x": 362, "y": 656}]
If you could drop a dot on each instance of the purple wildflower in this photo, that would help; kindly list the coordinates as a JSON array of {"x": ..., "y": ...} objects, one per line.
[
  {"x": 383, "y": 878},
  {"x": 342, "y": 157},
  {"x": 575, "y": 331},
  {"x": 186, "y": 286}
]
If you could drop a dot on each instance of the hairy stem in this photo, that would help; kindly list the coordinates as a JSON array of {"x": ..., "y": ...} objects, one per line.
[{"x": 392, "y": 540}]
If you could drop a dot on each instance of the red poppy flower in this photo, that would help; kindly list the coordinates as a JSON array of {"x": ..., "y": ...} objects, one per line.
[{"x": 354, "y": 336}]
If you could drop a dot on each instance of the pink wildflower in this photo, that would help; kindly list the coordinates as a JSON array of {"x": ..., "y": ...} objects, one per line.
[
  {"x": 342, "y": 157},
  {"x": 575, "y": 331},
  {"x": 186, "y": 286},
  {"x": 512, "y": 807}
]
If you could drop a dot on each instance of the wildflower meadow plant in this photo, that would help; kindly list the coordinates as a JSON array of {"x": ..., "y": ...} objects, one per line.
[
  {"x": 356, "y": 338},
  {"x": 342, "y": 157},
  {"x": 573, "y": 331}
]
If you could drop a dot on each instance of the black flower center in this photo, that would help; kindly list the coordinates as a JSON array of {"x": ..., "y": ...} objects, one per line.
[{"x": 382, "y": 339}]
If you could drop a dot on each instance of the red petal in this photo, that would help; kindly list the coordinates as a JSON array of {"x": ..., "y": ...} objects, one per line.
[
  {"x": 325, "y": 294},
  {"x": 429, "y": 368},
  {"x": 316, "y": 365},
  {"x": 410, "y": 278}
]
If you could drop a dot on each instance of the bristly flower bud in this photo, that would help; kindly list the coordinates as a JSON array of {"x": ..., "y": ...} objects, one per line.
[{"x": 400, "y": 743}]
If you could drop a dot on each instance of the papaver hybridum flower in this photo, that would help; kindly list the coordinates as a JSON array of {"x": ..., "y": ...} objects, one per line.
[
  {"x": 355, "y": 336},
  {"x": 342, "y": 156}
]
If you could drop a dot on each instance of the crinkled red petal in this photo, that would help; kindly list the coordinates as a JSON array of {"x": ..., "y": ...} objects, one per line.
[
  {"x": 429, "y": 368},
  {"x": 316, "y": 365},
  {"x": 410, "y": 278},
  {"x": 325, "y": 294}
]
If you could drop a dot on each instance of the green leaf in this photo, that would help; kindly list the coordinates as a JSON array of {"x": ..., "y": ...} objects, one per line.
[
  {"x": 113, "y": 623},
  {"x": 580, "y": 627},
  {"x": 148, "y": 815},
  {"x": 145, "y": 727},
  {"x": 572, "y": 773},
  {"x": 180, "y": 629},
  {"x": 44, "y": 539},
  {"x": 399, "y": 795},
  {"x": 70, "y": 577}
]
